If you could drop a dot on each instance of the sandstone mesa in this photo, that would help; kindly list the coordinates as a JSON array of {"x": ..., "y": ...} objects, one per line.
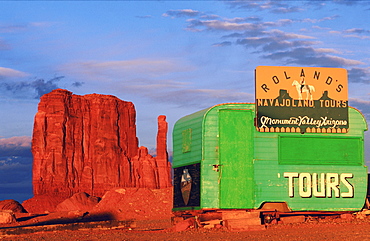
[{"x": 88, "y": 144}]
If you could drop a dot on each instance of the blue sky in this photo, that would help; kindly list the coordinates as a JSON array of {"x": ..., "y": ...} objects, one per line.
[{"x": 170, "y": 57}]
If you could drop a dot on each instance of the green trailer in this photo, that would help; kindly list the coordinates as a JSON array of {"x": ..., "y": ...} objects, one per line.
[{"x": 221, "y": 161}]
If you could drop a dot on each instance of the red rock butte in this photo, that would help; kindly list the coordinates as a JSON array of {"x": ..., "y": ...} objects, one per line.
[{"x": 89, "y": 144}]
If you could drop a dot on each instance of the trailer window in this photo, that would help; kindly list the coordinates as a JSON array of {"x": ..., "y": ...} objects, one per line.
[{"x": 320, "y": 151}]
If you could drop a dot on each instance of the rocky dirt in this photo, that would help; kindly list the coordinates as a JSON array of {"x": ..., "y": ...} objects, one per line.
[{"x": 322, "y": 229}]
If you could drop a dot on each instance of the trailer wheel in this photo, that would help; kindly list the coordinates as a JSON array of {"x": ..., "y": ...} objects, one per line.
[{"x": 268, "y": 218}]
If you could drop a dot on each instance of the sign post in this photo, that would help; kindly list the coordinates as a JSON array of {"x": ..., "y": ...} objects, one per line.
[{"x": 301, "y": 99}]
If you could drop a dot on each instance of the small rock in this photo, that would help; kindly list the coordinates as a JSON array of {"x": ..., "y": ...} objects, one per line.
[
  {"x": 7, "y": 216},
  {"x": 346, "y": 216},
  {"x": 185, "y": 224}
]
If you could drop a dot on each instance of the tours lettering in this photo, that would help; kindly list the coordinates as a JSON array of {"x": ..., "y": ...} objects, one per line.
[{"x": 320, "y": 185}]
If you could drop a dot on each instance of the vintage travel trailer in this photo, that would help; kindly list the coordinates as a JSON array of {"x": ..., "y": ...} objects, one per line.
[
  {"x": 229, "y": 156},
  {"x": 231, "y": 165}
]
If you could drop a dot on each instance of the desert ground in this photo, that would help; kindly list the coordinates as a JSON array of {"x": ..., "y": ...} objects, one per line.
[{"x": 312, "y": 229}]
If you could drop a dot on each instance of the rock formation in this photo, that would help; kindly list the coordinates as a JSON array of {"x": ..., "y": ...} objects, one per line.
[
  {"x": 135, "y": 203},
  {"x": 12, "y": 205},
  {"x": 42, "y": 203},
  {"x": 79, "y": 201},
  {"x": 88, "y": 144},
  {"x": 162, "y": 155}
]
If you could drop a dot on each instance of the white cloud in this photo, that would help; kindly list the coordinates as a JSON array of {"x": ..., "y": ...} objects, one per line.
[
  {"x": 234, "y": 24},
  {"x": 359, "y": 75},
  {"x": 287, "y": 35},
  {"x": 124, "y": 69},
  {"x": 202, "y": 98},
  {"x": 181, "y": 13},
  {"x": 272, "y": 6},
  {"x": 358, "y": 33},
  {"x": 12, "y": 28},
  {"x": 42, "y": 24},
  {"x": 310, "y": 20},
  {"x": 328, "y": 50},
  {"x": 311, "y": 56},
  {"x": 7, "y": 72},
  {"x": 222, "y": 25},
  {"x": 344, "y": 61},
  {"x": 285, "y": 10},
  {"x": 24, "y": 141},
  {"x": 356, "y": 36},
  {"x": 333, "y": 32}
]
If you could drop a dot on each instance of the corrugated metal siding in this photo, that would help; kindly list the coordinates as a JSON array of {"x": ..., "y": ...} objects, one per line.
[
  {"x": 193, "y": 122},
  {"x": 272, "y": 186},
  {"x": 210, "y": 178},
  {"x": 237, "y": 176},
  {"x": 204, "y": 125},
  {"x": 307, "y": 150},
  {"x": 357, "y": 123}
]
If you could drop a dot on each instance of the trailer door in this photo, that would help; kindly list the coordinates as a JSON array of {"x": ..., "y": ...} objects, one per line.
[{"x": 236, "y": 158}]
